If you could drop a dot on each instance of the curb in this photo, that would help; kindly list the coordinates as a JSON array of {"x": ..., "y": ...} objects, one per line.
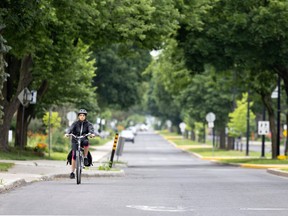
[
  {"x": 22, "y": 182},
  {"x": 271, "y": 169},
  {"x": 277, "y": 172},
  {"x": 12, "y": 185}
]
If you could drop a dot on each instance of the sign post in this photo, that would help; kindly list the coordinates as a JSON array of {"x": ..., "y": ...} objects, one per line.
[
  {"x": 26, "y": 97},
  {"x": 210, "y": 118},
  {"x": 263, "y": 129}
]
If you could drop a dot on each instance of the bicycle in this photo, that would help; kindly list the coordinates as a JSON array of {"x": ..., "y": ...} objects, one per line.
[{"x": 79, "y": 157}]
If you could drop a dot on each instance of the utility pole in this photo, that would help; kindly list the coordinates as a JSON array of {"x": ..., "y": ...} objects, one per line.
[
  {"x": 248, "y": 123},
  {"x": 278, "y": 117}
]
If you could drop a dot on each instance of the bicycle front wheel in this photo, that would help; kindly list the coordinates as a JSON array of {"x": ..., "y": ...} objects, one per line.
[{"x": 78, "y": 168}]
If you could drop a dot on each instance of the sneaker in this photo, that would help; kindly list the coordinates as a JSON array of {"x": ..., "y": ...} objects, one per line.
[
  {"x": 72, "y": 175},
  {"x": 86, "y": 162}
]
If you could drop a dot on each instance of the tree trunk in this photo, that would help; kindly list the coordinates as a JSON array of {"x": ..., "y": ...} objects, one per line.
[
  {"x": 222, "y": 138},
  {"x": 20, "y": 77},
  {"x": 192, "y": 135},
  {"x": 283, "y": 73},
  {"x": 230, "y": 145},
  {"x": 286, "y": 138},
  {"x": 268, "y": 104},
  {"x": 7, "y": 119},
  {"x": 22, "y": 128}
]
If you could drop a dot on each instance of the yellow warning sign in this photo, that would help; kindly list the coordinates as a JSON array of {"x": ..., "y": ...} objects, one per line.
[{"x": 285, "y": 133}]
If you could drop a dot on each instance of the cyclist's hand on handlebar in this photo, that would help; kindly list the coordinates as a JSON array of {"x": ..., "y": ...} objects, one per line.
[
  {"x": 92, "y": 135},
  {"x": 66, "y": 135}
]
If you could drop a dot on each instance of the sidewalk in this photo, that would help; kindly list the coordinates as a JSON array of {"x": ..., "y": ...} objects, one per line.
[{"x": 25, "y": 172}]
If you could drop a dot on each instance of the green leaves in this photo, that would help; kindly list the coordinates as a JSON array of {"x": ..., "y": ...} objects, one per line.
[
  {"x": 118, "y": 78},
  {"x": 69, "y": 71},
  {"x": 238, "y": 118},
  {"x": 52, "y": 119},
  {"x": 3, "y": 75}
]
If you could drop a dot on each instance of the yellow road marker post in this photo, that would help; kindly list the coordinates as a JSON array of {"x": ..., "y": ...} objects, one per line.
[{"x": 113, "y": 150}]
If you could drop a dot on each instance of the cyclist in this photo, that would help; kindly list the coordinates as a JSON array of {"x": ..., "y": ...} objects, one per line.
[{"x": 80, "y": 127}]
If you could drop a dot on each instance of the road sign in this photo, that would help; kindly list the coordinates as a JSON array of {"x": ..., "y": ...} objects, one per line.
[
  {"x": 71, "y": 116},
  {"x": 210, "y": 124},
  {"x": 263, "y": 127},
  {"x": 26, "y": 97},
  {"x": 210, "y": 117},
  {"x": 33, "y": 98},
  {"x": 168, "y": 123},
  {"x": 182, "y": 126},
  {"x": 23, "y": 96},
  {"x": 275, "y": 93}
]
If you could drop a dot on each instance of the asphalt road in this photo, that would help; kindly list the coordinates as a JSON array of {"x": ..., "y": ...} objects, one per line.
[{"x": 160, "y": 180}]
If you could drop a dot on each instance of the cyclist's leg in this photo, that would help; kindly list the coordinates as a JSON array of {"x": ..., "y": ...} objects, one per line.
[
  {"x": 85, "y": 145},
  {"x": 73, "y": 161}
]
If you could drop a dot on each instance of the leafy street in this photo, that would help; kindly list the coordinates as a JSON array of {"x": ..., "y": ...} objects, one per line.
[{"x": 197, "y": 90}]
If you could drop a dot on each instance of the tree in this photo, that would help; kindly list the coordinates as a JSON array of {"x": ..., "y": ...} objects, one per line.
[
  {"x": 159, "y": 101},
  {"x": 195, "y": 95},
  {"x": 119, "y": 79},
  {"x": 250, "y": 35},
  {"x": 36, "y": 27},
  {"x": 52, "y": 119},
  {"x": 237, "y": 124}
]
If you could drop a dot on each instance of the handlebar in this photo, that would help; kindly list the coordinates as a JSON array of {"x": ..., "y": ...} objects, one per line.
[{"x": 79, "y": 137}]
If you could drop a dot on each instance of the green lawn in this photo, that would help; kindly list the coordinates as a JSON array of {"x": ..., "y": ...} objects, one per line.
[
  {"x": 17, "y": 154},
  {"x": 184, "y": 142},
  {"x": 5, "y": 166}
]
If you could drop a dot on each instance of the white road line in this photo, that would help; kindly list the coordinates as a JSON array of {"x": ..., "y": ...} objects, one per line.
[
  {"x": 264, "y": 209},
  {"x": 160, "y": 208}
]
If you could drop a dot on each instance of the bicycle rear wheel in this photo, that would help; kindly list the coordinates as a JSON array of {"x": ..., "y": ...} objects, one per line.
[{"x": 78, "y": 168}]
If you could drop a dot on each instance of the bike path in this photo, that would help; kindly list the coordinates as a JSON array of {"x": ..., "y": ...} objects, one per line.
[{"x": 25, "y": 172}]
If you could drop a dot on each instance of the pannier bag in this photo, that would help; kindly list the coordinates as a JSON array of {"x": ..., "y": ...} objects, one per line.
[{"x": 89, "y": 156}]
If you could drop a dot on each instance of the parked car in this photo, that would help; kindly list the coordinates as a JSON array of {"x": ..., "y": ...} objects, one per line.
[
  {"x": 128, "y": 135},
  {"x": 133, "y": 129}
]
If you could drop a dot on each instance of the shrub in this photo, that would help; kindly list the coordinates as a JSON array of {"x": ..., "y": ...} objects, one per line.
[{"x": 40, "y": 147}]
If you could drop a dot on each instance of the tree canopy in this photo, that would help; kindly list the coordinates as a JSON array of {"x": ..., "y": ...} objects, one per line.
[{"x": 51, "y": 43}]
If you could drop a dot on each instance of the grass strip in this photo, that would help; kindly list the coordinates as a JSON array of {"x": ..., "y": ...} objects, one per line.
[
  {"x": 209, "y": 152},
  {"x": 5, "y": 166},
  {"x": 255, "y": 161},
  {"x": 17, "y": 154}
]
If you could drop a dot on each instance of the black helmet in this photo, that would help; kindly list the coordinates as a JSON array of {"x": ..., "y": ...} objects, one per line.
[{"x": 82, "y": 111}]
